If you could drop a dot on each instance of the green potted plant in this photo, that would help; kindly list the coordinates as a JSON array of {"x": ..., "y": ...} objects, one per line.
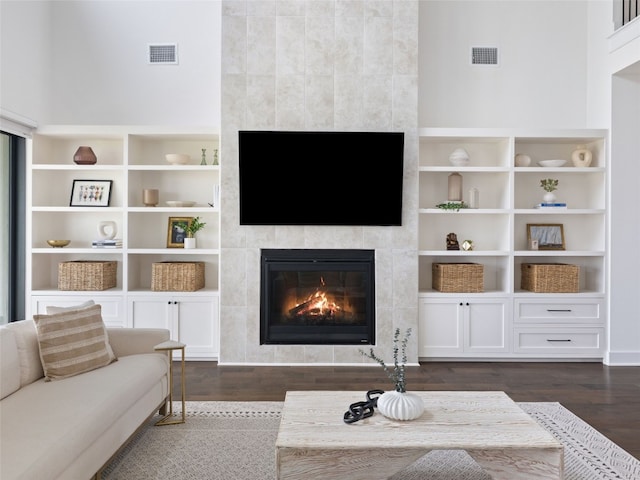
[
  {"x": 549, "y": 185},
  {"x": 397, "y": 404},
  {"x": 190, "y": 230}
]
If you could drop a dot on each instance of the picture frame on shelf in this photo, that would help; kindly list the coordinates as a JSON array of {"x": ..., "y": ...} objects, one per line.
[
  {"x": 175, "y": 232},
  {"x": 90, "y": 193},
  {"x": 549, "y": 236}
]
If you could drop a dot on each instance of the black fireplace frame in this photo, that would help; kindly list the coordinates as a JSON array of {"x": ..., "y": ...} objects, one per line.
[{"x": 317, "y": 259}]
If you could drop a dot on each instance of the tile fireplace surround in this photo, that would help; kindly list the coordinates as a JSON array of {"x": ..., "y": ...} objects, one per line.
[{"x": 314, "y": 65}]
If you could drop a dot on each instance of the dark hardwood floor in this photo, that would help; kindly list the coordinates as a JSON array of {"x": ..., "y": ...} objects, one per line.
[{"x": 608, "y": 398}]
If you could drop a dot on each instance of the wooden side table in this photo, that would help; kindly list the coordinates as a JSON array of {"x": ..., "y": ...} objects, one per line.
[{"x": 169, "y": 346}]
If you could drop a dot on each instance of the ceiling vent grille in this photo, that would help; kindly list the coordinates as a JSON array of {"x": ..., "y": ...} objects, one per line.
[
  {"x": 163, "y": 54},
  {"x": 484, "y": 56}
]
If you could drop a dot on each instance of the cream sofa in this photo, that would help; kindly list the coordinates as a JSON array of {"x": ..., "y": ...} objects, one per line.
[{"x": 70, "y": 428}]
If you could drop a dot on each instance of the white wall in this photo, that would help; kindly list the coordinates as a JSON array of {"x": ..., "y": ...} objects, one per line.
[
  {"x": 99, "y": 69},
  {"x": 25, "y": 81},
  {"x": 541, "y": 77}
]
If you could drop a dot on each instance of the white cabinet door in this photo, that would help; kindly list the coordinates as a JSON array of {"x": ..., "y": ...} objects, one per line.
[
  {"x": 151, "y": 312},
  {"x": 197, "y": 325},
  {"x": 113, "y": 313},
  {"x": 486, "y": 326},
  {"x": 439, "y": 328}
]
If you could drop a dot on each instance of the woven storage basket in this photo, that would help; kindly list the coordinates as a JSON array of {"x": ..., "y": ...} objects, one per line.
[
  {"x": 87, "y": 275},
  {"x": 177, "y": 276},
  {"x": 457, "y": 277},
  {"x": 550, "y": 277}
]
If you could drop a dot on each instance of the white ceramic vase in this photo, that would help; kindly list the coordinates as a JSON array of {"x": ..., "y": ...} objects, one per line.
[
  {"x": 400, "y": 406},
  {"x": 190, "y": 242},
  {"x": 549, "y": 197}
]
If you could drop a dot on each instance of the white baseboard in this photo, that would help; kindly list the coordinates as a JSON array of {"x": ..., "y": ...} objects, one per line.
[{"x": 622, "y": 359}]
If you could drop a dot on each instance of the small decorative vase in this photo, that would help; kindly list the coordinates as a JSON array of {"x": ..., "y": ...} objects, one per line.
[
  {"x": 190, "y": 242},
  {"x": 581, "y": 157},
  {"x": 204, "y": 158},
  {"x": 549, "y": 197},
  {"x": 150, "y": 197},
  {"x": 523, "y": 160},
  {"x": 85, "y": 156},
  {"x": 107, "y": 230},
  {"x": 400, "y": 405},
  {"x": 459, "y": 157}
]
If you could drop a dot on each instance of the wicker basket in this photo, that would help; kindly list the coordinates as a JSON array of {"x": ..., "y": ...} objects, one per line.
[
  {"x": 458, "y": 277},
  {"x": 550, "y": 277},
  {"x": 87, "y": 275},
  {"x": 177, "y": 276}
]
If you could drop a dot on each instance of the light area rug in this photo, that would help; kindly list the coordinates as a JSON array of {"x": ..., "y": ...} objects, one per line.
[{"x": 236, "y": 441}]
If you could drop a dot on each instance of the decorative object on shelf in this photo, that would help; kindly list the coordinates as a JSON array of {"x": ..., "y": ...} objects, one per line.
[
  {"x": 177, "y": 158},
  {"x": 533, "y": 244},
  {"x": 84, "y": 156},
  {"x": 452, "y": 242},
  {"x": 457, "y": 277},
  {"x": 397, "y": 404},
  {"x": 455, "y": 187},
  {"x": 549, "y": 185},
  {"x": 87, "y": 275},
  {"x": 474, "y": 198},
  {"x": 204, "y": 157},
  {"x": 90, "y": 193},
  {"x": 177, "y": 276},
  {"x": 176, "y": 232},
  {"x": 107, "y": 229},
  {"x": 58, "y": 243},
  {"x": 550, "y": 277},
  {"x": 180, "y": 203},
  {"x": 215, "y": 157},
  {"x": 467, "y": 245},
  {"x": 581, "y": 156},
  {"x": 190, "y": 229},
  {"x": 459, "y": 157},
  {"x": 150, "y": 197},
  {"x": 522, "y": 160},
  {"x": 550, "y": 236},
  {"x": 551, "y": 163},
  {"x": 455, "y": 206}
]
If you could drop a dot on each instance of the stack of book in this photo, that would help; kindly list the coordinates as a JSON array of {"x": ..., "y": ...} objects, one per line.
[
  {"x": 107, "y": 243},
  {"x": 553, "y": 206}
]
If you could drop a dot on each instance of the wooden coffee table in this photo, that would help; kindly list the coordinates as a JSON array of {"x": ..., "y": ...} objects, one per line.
[{"x": 314, "y": 442}]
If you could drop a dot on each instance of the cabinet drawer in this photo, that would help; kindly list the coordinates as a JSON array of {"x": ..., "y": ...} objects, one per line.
[
  {"x": 559, "y": 340},
  {"x": 558, "y": 311}
]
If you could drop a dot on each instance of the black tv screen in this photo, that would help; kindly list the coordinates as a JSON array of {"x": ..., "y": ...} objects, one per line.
[{"x": 321, "y": 178}]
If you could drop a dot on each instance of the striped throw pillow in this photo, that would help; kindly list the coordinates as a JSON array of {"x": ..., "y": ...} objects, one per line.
[{"x": 73, "y": 342}]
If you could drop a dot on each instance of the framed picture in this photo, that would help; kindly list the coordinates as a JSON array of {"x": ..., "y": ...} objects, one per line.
[
  {"x": 175, "y": 231},
  {"x": 90, "y": 193},
  {"x": 549, "y": 236}
]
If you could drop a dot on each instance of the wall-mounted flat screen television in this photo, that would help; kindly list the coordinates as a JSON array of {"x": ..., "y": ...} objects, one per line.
[{"x": 320, "y": 178}]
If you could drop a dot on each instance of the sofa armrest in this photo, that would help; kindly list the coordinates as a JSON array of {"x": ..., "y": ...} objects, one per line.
[{"x": 131, "y": 341}]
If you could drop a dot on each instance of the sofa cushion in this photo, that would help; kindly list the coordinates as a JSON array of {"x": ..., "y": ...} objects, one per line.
[
  {"x": 73, "y": 342},
  {"x": 26, "y": 338},
  {"x": 51, "y": 309},
  {"x": 9, "y": 363}
]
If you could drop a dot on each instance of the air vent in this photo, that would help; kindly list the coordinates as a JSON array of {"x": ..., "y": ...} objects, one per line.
[
  {"x": 484, "y": 56},
  {"x": 163, "y": 54}
]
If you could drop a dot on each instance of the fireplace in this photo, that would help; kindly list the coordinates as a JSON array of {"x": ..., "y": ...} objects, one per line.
[{"x": 317, "y": 297}]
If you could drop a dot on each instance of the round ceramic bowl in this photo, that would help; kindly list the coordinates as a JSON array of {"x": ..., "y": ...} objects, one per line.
[
  {"x": 551, "y": 163},
  {"x": 180, "y": 203},
  {"x": 177, "y": 158},
  {"x": 58, "y": 243}
]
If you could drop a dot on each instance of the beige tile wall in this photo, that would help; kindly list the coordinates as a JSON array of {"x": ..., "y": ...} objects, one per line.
[{"x": 317, "y": 65}]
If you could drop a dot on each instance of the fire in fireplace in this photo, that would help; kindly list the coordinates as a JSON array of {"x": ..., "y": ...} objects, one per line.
[{"x": 313, "y": 296}]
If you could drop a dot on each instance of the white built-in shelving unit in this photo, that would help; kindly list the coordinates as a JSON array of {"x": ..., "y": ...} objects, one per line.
[
  {"x": 134, "y": 159},
  {"x": 505, "y": 321}
]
